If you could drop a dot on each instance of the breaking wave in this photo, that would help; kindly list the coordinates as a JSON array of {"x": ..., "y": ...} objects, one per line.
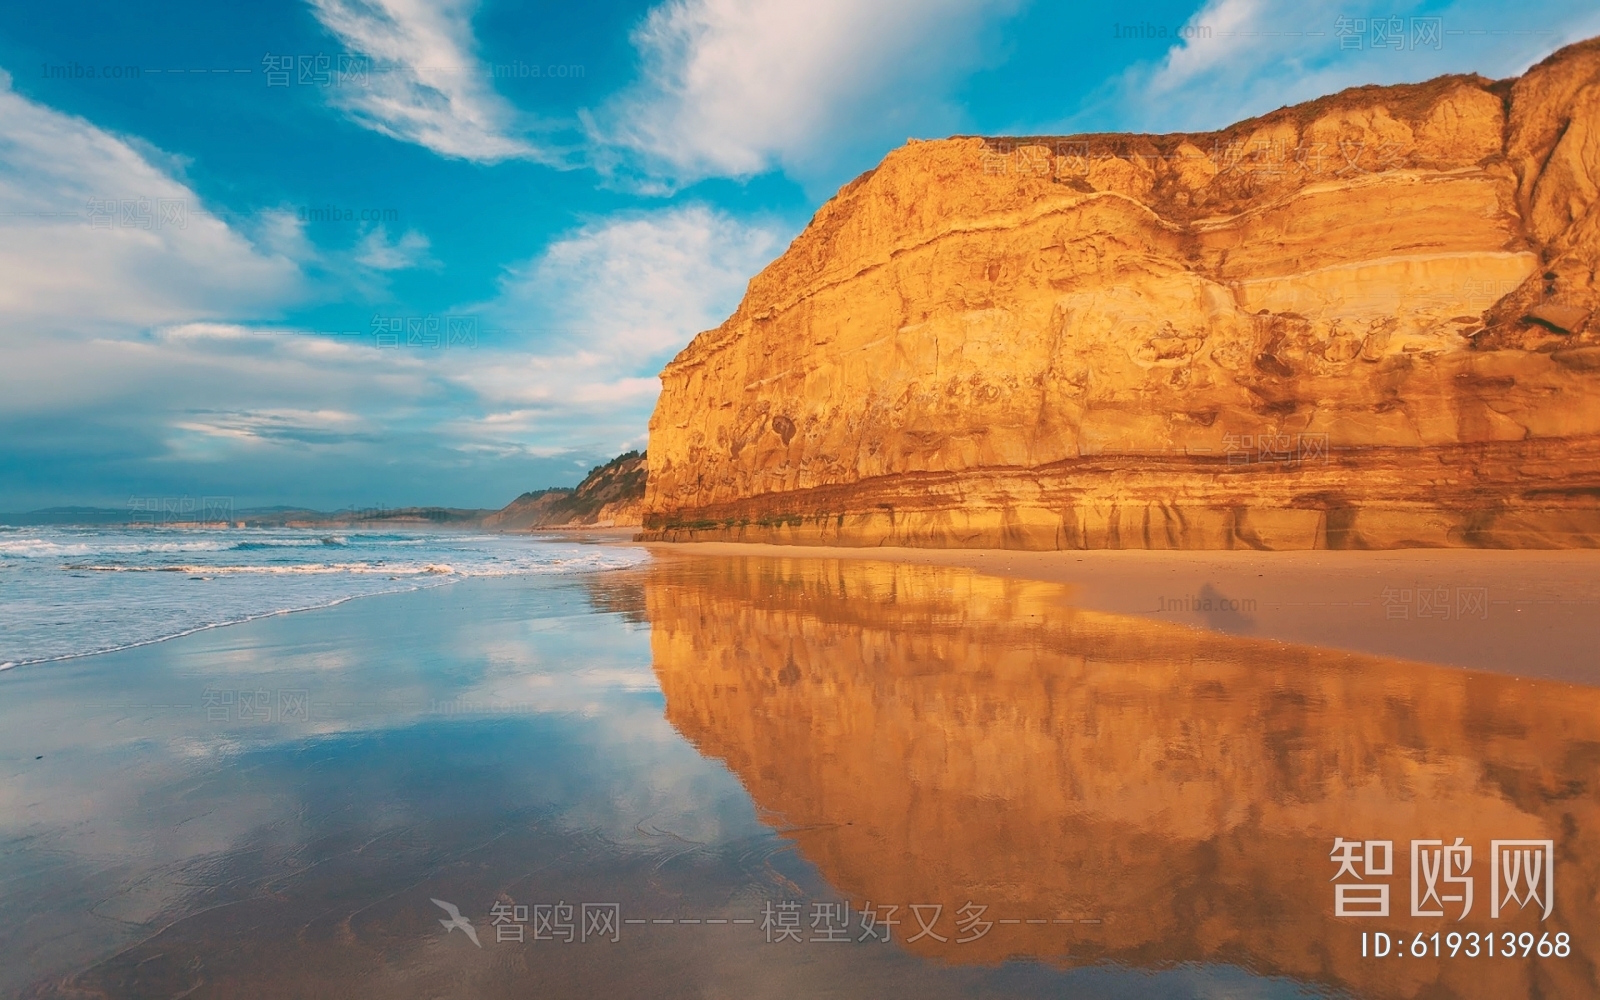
[{"x": 68, "y": 592}]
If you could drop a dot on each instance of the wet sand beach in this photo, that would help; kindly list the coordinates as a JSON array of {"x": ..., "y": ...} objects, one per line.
[
  {"x": 1526, "y": 613},
  {"x": 699, "y": 776}
]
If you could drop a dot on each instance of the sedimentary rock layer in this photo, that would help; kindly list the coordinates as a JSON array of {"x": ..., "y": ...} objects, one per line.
[{"x": 1369, "y": 320}]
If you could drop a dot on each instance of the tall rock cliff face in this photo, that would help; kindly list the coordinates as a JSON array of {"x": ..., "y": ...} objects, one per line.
[{"x": 1366, "y": 321}]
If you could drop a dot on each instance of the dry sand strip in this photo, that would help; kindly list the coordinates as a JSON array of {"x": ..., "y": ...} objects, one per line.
[{"x": 1524, "y": 613}]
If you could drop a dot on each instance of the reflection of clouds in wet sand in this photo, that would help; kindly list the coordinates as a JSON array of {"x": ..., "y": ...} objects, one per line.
[
  {"x": 931, "y": 735},
  {"x": 143, "y": 807},
  {"x": 330, "y": 896},
  {"x": 328, "y": 892}
]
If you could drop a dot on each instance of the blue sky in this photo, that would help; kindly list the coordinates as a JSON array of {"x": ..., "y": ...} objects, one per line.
[{"x": 215, "y": 217}]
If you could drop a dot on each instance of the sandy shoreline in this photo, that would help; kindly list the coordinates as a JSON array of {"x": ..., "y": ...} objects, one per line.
[{"x": 1519, "y": 612}]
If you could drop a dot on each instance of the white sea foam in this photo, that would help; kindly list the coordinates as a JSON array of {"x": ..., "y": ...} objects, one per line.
[
  {"x": 70, "y": 591},
  {"x": 43, "y": 548}
]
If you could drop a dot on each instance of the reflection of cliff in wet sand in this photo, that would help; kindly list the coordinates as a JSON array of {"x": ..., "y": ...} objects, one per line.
[{"x": 936, "y": 736}]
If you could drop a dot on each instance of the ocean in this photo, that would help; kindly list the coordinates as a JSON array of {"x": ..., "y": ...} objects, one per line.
[{"x": 71, "y": 591}]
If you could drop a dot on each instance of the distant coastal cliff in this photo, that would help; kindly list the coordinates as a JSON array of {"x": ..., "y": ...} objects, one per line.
[
  {"x": 1367, "y": 321},
  {"x": 611, "y": 495}
]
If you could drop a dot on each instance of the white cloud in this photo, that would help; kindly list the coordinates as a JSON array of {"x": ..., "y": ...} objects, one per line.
[
  {"x": 427, "y": 85},
  {"x": 603, "y": 309},
  {"x": 92, "y": 234},
  {"x": 641, "y": 283},
  {"x": 1243, "y": 58},
  {"x": 140, "y": 352},
  {"x": 377, "y": 251},
  {"x": 132, "y": 349},
  {"x": 267, "y": 424},
  {"x": 733, "y": 87},
  {"x": 172, "y": 373},
  {"x": 1217, "y": 34},
  {"x": 360, "y": 269},
  {"x": 278, "y": 231},
  {"x": 599, "y": 312}
]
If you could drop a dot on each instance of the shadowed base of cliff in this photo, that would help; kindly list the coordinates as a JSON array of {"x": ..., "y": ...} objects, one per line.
[{"x": 1495, "y": 495}]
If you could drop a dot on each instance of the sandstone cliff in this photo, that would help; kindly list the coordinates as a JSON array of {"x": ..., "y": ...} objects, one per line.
[
  {"x": 611, "y": 495},
  {"x": 1365, "y": 321}
]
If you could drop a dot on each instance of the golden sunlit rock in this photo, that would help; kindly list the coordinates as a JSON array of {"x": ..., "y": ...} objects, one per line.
[{"x": 1364, "y": 321}]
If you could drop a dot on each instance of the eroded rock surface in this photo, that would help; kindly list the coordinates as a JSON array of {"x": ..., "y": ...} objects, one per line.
[{"x": 1365, "y": 321}]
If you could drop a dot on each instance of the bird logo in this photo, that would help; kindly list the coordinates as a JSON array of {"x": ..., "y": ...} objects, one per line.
[{"x": 456, "y": 920}]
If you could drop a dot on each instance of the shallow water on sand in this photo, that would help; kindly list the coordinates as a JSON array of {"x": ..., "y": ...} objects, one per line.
[
  {"x": 698, "y": 777},
  {"x": 70, "y": 590}
]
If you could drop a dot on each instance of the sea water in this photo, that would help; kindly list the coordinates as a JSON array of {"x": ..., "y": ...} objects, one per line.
[{"x": 70, "y": 591}]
